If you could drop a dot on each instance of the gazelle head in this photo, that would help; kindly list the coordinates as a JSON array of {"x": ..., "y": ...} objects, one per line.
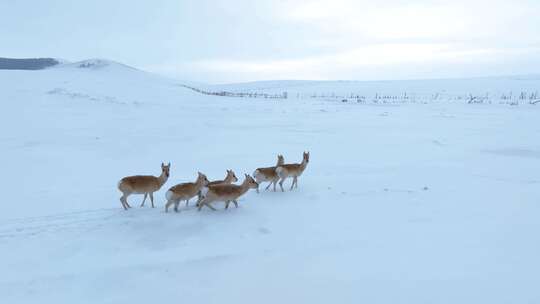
[
  {"x": 306, "y": 157},
  {"x": 280, "y": 160},
  {"x": 231, "y": 176},
  {"x": 252, "y": 184},
  {"x": 201, "y": 178},
  {"x": 165, "y": 169}
]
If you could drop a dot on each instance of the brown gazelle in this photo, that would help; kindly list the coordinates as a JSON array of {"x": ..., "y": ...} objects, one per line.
[
  {"x": 142, "y": 184},
  {"x": 292, "y": 170},
  {"x": 184, "y": 192},
  {"x": 268, "y": 174},
  {"x": 226, "y": 193},
  {"x": 229, "y": 179}
]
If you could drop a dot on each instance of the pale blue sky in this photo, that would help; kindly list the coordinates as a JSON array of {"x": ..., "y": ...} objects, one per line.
[{"x": 241, "y": 40}]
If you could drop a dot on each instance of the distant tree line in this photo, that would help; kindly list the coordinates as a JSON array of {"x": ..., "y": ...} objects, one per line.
[
  {"x": 522, "y": 97},
  {"x": 27, "y": 63}
]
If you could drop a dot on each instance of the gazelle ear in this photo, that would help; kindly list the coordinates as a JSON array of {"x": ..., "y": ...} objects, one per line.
[
  {"x": 162, "y": 165},
  {"x": 169, "y": 164}
]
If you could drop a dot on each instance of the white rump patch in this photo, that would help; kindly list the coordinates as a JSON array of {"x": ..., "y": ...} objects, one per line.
[
  {"x": 279, "y": 171},
  {"x": 259, "y": 177}
]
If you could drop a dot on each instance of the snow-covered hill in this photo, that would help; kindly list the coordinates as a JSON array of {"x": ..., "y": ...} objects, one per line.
[
  {"x": 401, "y": 202},
  {"x": 96, "y": 64}
]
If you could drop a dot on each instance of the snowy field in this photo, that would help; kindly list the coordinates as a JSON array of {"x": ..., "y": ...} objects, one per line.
[{"x": 400, "y": 203}]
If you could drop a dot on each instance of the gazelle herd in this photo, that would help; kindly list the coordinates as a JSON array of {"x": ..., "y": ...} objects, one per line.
[{"x": 208, "y": 192}]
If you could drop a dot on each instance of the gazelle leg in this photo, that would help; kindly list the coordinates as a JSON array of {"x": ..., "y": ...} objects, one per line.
[
  {"x": 126, "y": 201},
  {"x": 274, "y": 182},
  {"x": 205, "y": 203},
  {"x": 123, "y": 201},
  {"x": 144, "y": 199},
  {"x": 235, "y": 203},
  {"x": 269, "y": 184},
  {"x": 176, "y": 203},
  {"x": 187, "y": 202},
  {"x": 281, "y": 184},
  {"x": 152, "y": 199},
  {"x": 169, "y": 202},
  {"x": 296, "y": 184},
  {"x": 227, "y": 204},
  {"x": 201, "y": 204},
  {"x": 293, "y": 182}
]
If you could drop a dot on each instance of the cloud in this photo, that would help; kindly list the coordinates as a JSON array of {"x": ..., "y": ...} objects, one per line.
[
  {"x": 356, "y": 62},
  {"x": 367, "y": 40},
  {"x": 241, "y": 40},
  {"x": 391, "y": 20}
]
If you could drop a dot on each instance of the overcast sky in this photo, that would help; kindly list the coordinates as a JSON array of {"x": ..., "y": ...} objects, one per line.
[{"x": 245, "y": 40}]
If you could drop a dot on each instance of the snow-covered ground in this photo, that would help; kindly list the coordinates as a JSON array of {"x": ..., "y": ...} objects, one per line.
[{"x": 401, "y": 203}]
